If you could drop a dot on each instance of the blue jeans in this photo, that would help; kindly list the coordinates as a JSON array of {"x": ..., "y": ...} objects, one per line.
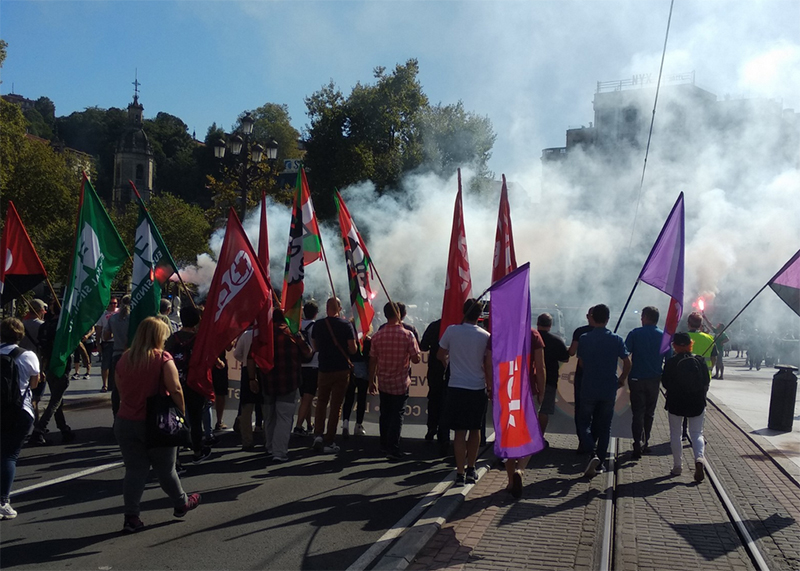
[
  {"x": 393, "y": 408},
  {"x": 594, "y": 425},
  {"x": 10, "y": 446}
]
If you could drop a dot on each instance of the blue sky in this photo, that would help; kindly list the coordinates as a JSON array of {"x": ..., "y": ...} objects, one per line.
[{"x": 530, "y": 66}]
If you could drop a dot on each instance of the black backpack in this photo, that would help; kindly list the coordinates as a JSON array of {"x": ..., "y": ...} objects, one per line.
[
  {"x": 691, "y": 375},
  {"x": 10, "y": 396}
]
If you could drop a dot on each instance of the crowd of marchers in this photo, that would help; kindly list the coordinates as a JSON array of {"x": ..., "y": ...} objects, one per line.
[{"x": 328, "y": 361}]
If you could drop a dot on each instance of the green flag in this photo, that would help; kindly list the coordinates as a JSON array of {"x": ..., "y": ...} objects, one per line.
[
  {"x": 99, "y": 253},
  {"x": 152, "y": 267}
]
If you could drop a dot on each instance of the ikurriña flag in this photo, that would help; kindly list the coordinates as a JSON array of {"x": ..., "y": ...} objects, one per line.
[
  {"x": 458, "y": 286},
  {"x": 786, "y": 283},
  {"x": 237, "y": 294},
  {"x": 305, "y": 247},
  {"x": 505, "y": 260},
  {"x": 263, "y": 348},
  {"x": 358, "y": 266},
  {"x": 664, "y": 268},
  {"x": 515, "y": 423},
  {"x": 21, "y": 269},
  {"x": 99, "y": 254},
  {"x": 153, "y": 266}
]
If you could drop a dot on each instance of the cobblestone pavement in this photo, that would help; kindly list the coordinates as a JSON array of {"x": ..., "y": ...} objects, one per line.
[{"x": 662, "y": 522}]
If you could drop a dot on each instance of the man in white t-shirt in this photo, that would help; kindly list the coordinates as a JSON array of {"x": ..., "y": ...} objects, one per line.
[
  {"x": 106, "y": 347},
  {"x": 15, "y": 423},
  {"x": 467, "y": 347}
]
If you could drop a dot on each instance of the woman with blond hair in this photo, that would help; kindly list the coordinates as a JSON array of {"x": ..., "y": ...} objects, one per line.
[{"x": 141, "y": 372}]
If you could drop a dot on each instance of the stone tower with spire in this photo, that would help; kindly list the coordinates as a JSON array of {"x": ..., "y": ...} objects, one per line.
[{"x": 133, "y": 159}]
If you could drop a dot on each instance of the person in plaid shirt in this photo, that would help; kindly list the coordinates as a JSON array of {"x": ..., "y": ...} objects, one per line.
[{"x": 392, "y": 351}]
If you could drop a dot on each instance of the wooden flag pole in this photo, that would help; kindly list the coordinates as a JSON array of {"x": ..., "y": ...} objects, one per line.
[{"x": 327, "y": 266}]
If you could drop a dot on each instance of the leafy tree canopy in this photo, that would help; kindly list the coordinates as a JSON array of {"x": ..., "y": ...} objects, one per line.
[{"x": 384, "y": 130}]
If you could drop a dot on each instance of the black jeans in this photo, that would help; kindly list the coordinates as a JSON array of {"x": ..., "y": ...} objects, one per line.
[
  {"x": 195, "y": 402},
  {"x": 437, "y": 389},
  {"x": 359, "y": 385},
  {"x": 393, "y": 408},
  {"x": 112, "y": 384},
  {"x": 58, "y": 386},
  {"x": 644, "y": 398}
]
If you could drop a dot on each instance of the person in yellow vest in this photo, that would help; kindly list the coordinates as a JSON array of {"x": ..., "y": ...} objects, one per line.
[
  {"x": 702, "y": 345},
  {"x": 703, "y": 342}
]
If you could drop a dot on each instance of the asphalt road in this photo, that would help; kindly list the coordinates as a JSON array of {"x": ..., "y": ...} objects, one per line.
[{"x": 314, "y": 512}]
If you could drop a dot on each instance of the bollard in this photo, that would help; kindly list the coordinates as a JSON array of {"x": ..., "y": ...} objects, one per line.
[{"x": 782, "y": 399}]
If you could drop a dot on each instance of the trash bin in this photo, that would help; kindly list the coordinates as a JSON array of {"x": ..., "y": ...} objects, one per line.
[{"x": 782, "y": 398}]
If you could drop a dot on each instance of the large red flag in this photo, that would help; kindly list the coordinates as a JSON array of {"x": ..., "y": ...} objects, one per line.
[
  {"x": 305, "y": 247},
  {"x": 238, "y": 293},
  {"x": 263, "y": 348},
  {"x": 22, "y": 269},
  {"x": 505, "y": 260},
  {"x": 458, "y": 287},
  {"x": 358, "y": 266}
]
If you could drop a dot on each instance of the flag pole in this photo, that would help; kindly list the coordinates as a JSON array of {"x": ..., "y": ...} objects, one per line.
[
  {"x": 327, "y": 266},
  {"x": 636, "y": 283},
  {"x": 53, "y": 292},
  {"x": 724, "y": 329}
]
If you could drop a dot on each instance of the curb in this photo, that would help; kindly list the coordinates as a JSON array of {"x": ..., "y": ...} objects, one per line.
[
  {"x": 784, "y": 464},
  {"x": 414, "y": 539}
]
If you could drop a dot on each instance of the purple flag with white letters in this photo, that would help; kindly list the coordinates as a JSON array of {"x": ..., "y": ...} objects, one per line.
[{"x": 516, "y": 427}]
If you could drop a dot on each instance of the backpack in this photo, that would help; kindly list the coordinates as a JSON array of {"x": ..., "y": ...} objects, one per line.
[
  {"x": 10, "y": 396},
  {"x": 180, "y": 346},
  {"x": 691, "y": 375}
]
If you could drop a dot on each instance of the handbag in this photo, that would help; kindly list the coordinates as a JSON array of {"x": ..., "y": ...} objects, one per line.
[{"x": 165, "y": 425}]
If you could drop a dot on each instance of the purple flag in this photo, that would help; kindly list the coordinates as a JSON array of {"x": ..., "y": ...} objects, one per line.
[
  {"x": 664, "y": 268},
  {"x": 786, "y": 283},
  {"x": 516, "y": 427}
]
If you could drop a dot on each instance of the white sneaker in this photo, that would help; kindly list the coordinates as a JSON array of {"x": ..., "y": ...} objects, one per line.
[
  {"x": 7, "y": 512},
  {"x": 317, "y": 444},
  {"x": 331, "y": 448},
  {"x": 676, "y": 471},
  {"x": 359, "y": 430}
]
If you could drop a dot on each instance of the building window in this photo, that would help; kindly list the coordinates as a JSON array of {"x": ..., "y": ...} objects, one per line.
[{"x": 139, "y": 174}]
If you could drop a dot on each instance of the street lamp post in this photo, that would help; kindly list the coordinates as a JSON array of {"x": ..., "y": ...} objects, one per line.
[{"x": 249, "y": 159}]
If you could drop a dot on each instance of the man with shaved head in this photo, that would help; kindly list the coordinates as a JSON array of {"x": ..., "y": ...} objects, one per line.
[{"x": 334, "y": 341}]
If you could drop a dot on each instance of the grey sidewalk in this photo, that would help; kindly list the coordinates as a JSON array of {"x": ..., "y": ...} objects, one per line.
[{"x": 663, "y": 522}]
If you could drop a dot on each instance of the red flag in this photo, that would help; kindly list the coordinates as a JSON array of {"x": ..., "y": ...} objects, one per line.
[
  {"x": 305, "y": 246},
  {"x": 263, "y": 348},
  {"x": 459, "y": 284},
  {"x": 358, "y": 265},
  {"x": 238, "y": 293},
  {"x": 505, "y": 261},
  {"x": 22, "y": 270}
]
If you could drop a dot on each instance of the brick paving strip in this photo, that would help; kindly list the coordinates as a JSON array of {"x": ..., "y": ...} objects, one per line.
[{"x": 662, "y": 522}]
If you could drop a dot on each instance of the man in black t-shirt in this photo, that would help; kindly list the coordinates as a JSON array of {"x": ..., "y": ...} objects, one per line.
[
  {"x": 573, "y": 350},
  {"x": 555, "y": 353},
  {"x": 334, "y": 341}
]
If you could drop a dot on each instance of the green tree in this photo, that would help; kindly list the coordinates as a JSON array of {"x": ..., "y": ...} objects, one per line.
[
  {"x": 372, "y": 134},
  {"x": 272, "y": 121},
  {"x": 452, "y": 138},
  {"x": 44, "y": 187}
]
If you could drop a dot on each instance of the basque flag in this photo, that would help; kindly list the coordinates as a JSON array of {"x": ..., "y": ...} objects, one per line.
[{"x": 516, "y": 427}]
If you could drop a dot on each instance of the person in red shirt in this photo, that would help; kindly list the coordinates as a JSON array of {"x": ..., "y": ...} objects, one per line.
[
  {"x": 140, "y": 373},
  {"x": 391, "y": 353}
]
